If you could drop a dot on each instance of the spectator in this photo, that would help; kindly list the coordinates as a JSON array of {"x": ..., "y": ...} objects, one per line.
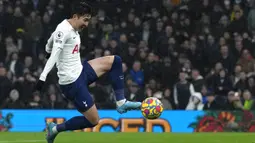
[
  {"x": 197, "y": 80},
  {"x": 195, "y": 102},
  {"x": 211, "y": 103},
  {"x": 239, "y": 24},
  {"x": 182, "y": 92},
  {"x": 222, "y": 84},
  {"x": 252, "y": 73},
  {"x": 151, "y": 68},
  {"x": 28, "y": 64},
  {"x": 142, "y": 56},
  {"x": 238, "y": 44},
  {"x": 187, "y": 68},
  {"x": 102, "y": 102},
  {"x": 251, "y": 85},
  {"x": 233, "y": 102},
  {"x": 148, "y": 92},
  {"x": 13, "y": 101},
  {"x": 47, "y": 27},
  {"x": 135, "y": 93},
  {"x": 123, "y": 43},
  {"x": 28, "y": 85},
  {"x": 222, "y": 26},
  {"x": 10, "y": 47},
  {"x": 152, "y": 85},
  {"x": 248, "y": 102},
  {"x": 242, "y": 84},
  {"x": 137, "y": 74},
  {"x": 226, "y": 59},
  {"x": 212, "y": 75},
  {"x": 7, "y": 26},
  {"x": 166, "y": 99},
  {"x": 196, "y": 56},
  {"x": 18, "y": 20},
  {"x": 33, "y": 28},
  {"x": 211, "y": 51},
  {"x": 246, "y": 61},
  {"x": 15, "y": 66},
  {"x": 146, "y": 34},
  {"x": 129, "y": 55},
  {"x": 5, "y": 84},
  {"x": 53, "y": 103},
  {"x": 168, "y": 75},
  {"x": 107, "y": 53},
  {"x": 236, "y": 8},
  {"x": 36, "y": 103},
  {"x": 237, "y": 74}
]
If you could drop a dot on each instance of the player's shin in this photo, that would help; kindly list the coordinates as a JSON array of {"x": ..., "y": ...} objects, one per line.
[
  {"x": 75, "y": 123},
  {"x": 117, "y": 79}
]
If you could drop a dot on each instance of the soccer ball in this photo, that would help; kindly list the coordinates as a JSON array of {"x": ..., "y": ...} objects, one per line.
[{"x": 152, "y": 108}]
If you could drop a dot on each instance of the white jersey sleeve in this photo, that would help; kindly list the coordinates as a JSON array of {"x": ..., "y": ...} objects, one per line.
[
  {"x": 54, "y": 46},
  {"x": 49, "y": 45}
]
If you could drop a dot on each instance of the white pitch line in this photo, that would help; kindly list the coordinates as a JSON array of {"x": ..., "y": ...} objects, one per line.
[{"x": 23, "y": 141}]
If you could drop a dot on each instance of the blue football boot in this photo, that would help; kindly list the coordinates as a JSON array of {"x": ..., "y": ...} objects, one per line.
[
  {"x": 128, "y": 105},
  {"x": 50, "y": 136}
]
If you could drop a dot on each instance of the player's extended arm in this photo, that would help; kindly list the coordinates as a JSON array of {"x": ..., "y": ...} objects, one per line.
[
  {"x": 49, "y": 46},
  {"x": 58, "y": 42},
  {"x": 50, "y": 63}
]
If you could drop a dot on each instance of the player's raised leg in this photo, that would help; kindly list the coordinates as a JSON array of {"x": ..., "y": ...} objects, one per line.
[{"x": 113, "y": 65}]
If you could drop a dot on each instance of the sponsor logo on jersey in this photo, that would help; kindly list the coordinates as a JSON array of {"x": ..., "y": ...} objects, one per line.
[{"x": 58, "y": 41}]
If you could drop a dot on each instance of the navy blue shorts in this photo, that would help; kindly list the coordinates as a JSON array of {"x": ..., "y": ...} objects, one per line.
[{"x": 78, "y": 92}]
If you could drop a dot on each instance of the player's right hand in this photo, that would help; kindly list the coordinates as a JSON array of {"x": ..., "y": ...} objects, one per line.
[{"x": 39, "y": 85}]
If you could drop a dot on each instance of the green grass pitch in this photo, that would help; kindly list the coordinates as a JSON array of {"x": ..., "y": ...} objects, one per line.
[{"x": 70, "y": 137}]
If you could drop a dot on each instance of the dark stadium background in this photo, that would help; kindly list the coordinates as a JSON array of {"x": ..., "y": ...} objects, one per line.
[{"x": 165, "y": 45}]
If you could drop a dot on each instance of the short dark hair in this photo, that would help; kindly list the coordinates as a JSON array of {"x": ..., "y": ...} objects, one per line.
[{"x": 81, "y": 8}]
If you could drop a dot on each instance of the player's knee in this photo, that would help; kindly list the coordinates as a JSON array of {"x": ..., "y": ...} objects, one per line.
[
  {"x": 117, "y": 60},
  {"x": 112, "y": 61},
  {"x": 94, "y": 121}
]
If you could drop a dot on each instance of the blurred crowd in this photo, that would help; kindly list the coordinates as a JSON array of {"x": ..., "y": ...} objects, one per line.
[{"x": 171, "y": 49}]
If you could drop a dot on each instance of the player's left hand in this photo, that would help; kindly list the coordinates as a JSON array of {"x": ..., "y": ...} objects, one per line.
[{"x": 39, "y": 85}]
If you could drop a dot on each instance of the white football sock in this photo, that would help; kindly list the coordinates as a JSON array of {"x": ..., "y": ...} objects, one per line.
[
  {"x": 120, "y": 102},
  {"x": 54, "y": 129}
]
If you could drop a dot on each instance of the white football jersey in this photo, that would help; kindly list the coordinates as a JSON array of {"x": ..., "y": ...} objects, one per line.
[{"x": 64, "y": 46}]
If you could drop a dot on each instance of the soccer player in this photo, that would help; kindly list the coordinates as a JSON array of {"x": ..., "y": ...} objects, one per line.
[{"x": 74, "y": 77}]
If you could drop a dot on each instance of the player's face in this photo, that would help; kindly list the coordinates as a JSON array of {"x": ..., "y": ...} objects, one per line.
[{"x": 83, "y": 21}]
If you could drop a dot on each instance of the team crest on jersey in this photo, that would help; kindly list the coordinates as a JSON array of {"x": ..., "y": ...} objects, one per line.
[{"x": 59, "y": 35}]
